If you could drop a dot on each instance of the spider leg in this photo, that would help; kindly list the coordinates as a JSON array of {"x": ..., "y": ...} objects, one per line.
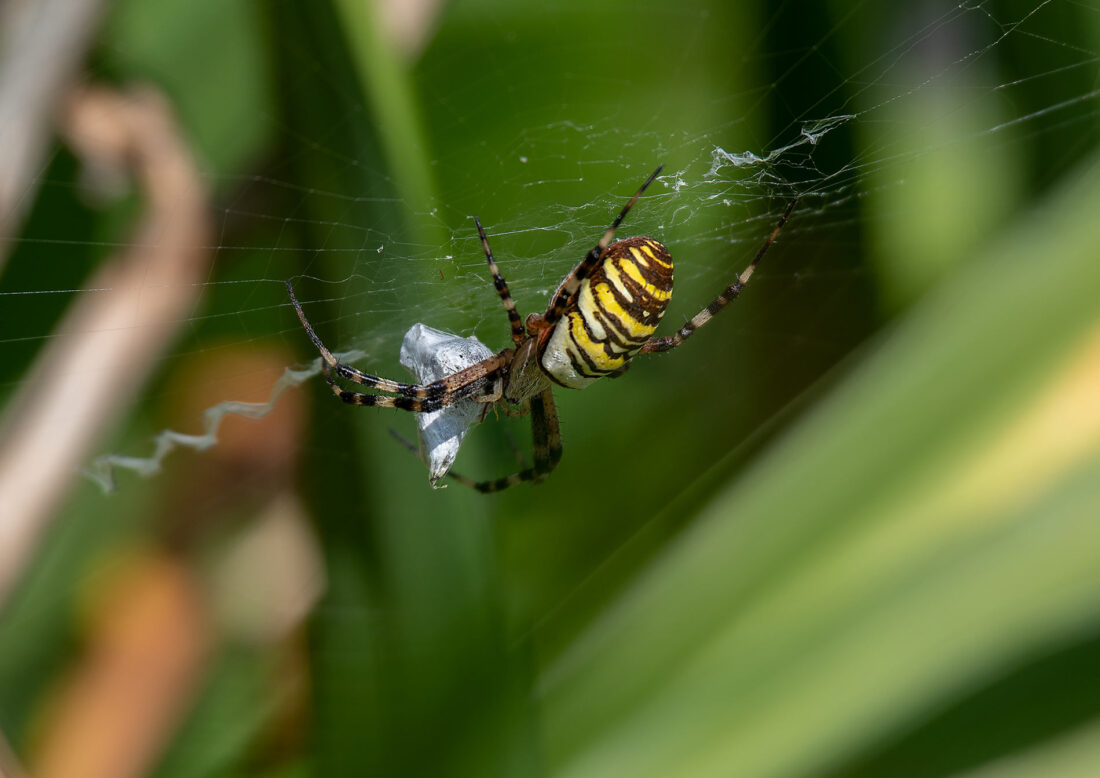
[
  {"x": 408, "y": 444},
  {"x": 728, "y": 295},
  {"x": 480, "y": 381},
  {"x": 418, "y": 398},
  {"x": 514, "y": 319},
  {"x": 572, "y": 282},
  {"x": 546, "y": 434}
]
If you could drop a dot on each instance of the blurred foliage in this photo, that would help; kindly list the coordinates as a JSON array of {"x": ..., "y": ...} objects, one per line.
[{"x": 781, "y": 550}]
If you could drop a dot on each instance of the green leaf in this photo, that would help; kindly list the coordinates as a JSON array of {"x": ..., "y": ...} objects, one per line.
[{"x": 928, "y": 528}]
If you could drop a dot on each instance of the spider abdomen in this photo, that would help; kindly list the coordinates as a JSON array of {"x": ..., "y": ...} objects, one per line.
[{"x": 616, "y": 309}]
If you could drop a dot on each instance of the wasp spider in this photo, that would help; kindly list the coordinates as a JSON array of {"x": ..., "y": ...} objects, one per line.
[{"x": 601, "y": 315}]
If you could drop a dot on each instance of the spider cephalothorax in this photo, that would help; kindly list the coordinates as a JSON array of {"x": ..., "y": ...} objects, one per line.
[{"x": 601, "y": 315}]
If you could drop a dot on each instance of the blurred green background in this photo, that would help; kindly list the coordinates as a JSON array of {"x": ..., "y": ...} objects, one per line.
[{"x": 850, "y": 529}]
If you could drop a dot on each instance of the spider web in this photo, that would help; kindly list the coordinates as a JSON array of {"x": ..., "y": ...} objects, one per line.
[
  {"x": 547, "y": 130},
  {"x": 350, "y": 159}
]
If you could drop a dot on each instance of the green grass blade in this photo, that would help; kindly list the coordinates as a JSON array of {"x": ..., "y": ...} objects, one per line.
[{"x": 911, "y": 540}]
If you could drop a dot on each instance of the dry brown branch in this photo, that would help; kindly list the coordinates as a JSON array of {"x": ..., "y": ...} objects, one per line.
[
  {"x": 9, "y": 765},
  {"x": 148, "y": 641},
  {"x": 409, "y": 23},
  {"x": 42, "y": 45},
  {"x": 109, "y": 341}
]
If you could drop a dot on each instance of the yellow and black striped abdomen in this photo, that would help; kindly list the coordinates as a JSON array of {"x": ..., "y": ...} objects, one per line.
[{"x": 615, "y": 311}]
